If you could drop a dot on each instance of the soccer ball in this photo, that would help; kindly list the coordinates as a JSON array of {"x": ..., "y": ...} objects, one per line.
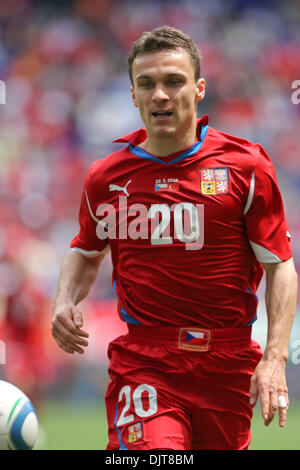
[{"x": 18, "y": 420}]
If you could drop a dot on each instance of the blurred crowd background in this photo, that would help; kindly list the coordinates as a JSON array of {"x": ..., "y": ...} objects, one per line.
[{"x": 67, "y": 97}]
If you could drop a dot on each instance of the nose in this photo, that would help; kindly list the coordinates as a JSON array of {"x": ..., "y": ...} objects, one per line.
[{"x": 160, "y": 94}]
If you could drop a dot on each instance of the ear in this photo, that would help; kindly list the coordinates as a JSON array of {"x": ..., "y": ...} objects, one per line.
[
  {"x": 200, "y": 89},
  {"x": 133, "y": 97}
]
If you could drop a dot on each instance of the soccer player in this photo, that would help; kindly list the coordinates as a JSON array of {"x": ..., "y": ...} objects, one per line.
[{"x": 191, "y": 216}]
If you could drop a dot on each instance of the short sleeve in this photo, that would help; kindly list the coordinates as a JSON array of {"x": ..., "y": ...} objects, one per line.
[
  {"x": 266, "y": 225},
  {"x": 86, "y": 241}
]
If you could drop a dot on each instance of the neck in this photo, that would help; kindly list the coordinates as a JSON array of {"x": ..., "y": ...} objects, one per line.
[{"x": 166, "y": 145}]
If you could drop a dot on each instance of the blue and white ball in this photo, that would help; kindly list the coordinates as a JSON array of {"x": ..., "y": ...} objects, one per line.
[{"x": 18, "y": 421}]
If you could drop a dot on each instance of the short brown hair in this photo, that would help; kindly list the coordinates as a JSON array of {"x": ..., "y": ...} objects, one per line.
[{"x": 165, "y": 38}]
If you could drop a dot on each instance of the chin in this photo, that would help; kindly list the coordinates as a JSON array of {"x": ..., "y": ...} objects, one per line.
[{"x": 163, "y": 132}]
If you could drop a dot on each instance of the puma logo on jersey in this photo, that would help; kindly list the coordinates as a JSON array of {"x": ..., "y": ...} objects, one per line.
[{"x": 116, "y": 187}]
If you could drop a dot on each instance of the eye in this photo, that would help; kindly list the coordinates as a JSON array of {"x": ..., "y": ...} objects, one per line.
[
  {"x": 145, "y": 84},
  {"x": 174, "y": 81}
]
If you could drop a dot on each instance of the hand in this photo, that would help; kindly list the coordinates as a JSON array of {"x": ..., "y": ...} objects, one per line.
[
  {"x": 66, "y": 328},
  {"x": 269, "y": 382}
]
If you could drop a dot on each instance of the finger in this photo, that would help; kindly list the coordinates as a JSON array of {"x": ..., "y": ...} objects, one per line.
[
  {"x": 77, "y": 318},
  {"x": 61, "y": 341},
  {"x": 273, "y": 406},
  {"x": 283, "y": 410},
  {"x": 67, "y": 349},
  {"x": 282, "y": 416},
  {"x": 68, "y": 340},
  {"x": 68, "y": 325},
  {"x": 253, "y": 392},
  {"x": 264, "y": 401},
  {"x": 64, "y": 348},
  {"x": 67, "y": 322},
  {"x": 67, "y": 337}
]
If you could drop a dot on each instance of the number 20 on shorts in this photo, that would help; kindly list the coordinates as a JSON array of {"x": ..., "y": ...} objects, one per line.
[{"x": 136, "y": 398}]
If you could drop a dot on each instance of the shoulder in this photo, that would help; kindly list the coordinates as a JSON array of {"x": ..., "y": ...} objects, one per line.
[
  {"x": 107, "y": 167},
  {"x": 229, "y": 141},
  {"x": 244, "y": 152}
]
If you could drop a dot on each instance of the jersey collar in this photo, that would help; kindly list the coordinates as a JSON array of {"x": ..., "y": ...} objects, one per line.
[{"x": 138, "y": 136}]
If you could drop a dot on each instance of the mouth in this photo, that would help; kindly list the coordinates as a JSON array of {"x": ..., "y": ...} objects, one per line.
[{"x": 162, "y": 114}]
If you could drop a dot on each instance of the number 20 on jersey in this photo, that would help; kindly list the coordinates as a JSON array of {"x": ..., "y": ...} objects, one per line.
[{"x": 188, "y": 223}]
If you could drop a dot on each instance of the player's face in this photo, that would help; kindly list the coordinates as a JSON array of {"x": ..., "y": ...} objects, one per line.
[{"x": 166, "y": 93}]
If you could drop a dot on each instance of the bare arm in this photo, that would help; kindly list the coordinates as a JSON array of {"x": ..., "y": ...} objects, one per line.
[
  {"x": 269, "y": 379},
  {"x": 77, "y": 275}
]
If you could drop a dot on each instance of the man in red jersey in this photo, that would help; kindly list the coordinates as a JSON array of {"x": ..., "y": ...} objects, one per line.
[{"x": 191, "y": 216}]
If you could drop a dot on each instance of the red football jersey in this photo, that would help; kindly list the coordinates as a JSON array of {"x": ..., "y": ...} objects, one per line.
[{"x": 188, "y": 232}]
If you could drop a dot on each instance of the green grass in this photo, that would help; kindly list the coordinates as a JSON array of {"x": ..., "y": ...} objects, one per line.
[
  {"x": 83, "y": 427},
  {"x": 273, "y": 437},
  {"x": 73, "y": 426}
]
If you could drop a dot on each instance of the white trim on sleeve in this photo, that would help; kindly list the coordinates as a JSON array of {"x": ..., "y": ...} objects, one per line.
[
  {"x": 89, "y": 206},
  {"x": 263, "y": 255},
  {"x": 250, "y": 195},
  {"x": 92, "y": 253}
]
